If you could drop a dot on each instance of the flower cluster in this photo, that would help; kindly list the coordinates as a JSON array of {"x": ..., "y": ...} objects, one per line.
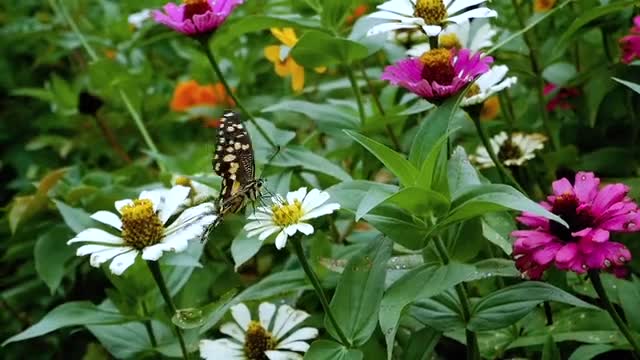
[{"x": 593, "y": 215}]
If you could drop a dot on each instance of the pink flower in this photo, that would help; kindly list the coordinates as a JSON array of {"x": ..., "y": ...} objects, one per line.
[
  {"x": 592, "y": 213},
  {"x": 630, "y": 44},
  {"x": 439, "y": 73},
  {"x": 562, "y": 99},
  {"x": 196, "y": 17}
]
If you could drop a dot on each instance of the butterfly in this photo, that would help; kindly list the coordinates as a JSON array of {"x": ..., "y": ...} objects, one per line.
[{"x": 234, "y": 162}]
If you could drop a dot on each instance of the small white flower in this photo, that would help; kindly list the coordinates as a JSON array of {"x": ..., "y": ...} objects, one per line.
[
  {"x": 199, "y": 192},
  {"x": 288, "y": 216},
  {"x": 488, "y": 84},
  {"x": 511, "y": 151},
  {"x": 137, "y": 19},
  {"x": 476, "y": 35},
  {"x": 143, "y": 229},
  {"x": 271, "y": 336},
  {"x": 429, "y": 15}
]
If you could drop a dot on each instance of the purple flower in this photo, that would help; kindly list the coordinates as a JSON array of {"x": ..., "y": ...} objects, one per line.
[
  {"x": 592, "y": 214},
  {"x": 630, "y": 44},
  {"x": 196, "y": 17},
  {"x": 439, "y": 73}
]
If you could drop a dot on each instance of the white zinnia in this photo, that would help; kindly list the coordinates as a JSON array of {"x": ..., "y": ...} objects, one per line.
[
  {"x": 429, "y": 15},
  {"x": 137, "y": 19},
  {"x": 142, "y": 229},
  {"x": 475, "y": 36},
  {"x": 199, "y": 192},
  {"x": 489, "y": 83},
  {"x": 288, "y": 216},
  {"x": 271, "y": 336},
  {"x": 511, "y": 151}
]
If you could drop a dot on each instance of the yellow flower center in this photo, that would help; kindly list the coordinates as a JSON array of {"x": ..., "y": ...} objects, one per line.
[
  {"x": 437, "y": 66},
  {"x": 257, "y": 341},
  {"x": 431, "y": 11},
  {"x": 141, "y": 226},
  {"x": 450, "y": 41},
  {"x": 183, "y": 180},
  {"x": 474, "y": 90},
  {"x": 287, "y": 214}
]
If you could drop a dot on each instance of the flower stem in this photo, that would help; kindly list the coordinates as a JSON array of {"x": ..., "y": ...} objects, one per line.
[
  {"x": 297, "y": 246},
  {"x": 154, "y": 267},
  {"x": 378, "y": 105},
  {"x": 148, "y": 326},
  {"x": 594, "y": 275},
  {"x": 473, "y": 351},
  {"x": 356, "y": 92},
  {"x": 216, "y": 68},
  {"x": 504, "y": 173}
]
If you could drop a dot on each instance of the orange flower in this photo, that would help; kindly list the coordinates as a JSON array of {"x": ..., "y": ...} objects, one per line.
[
  {"x": 543, "y": 5},
  {"x": 490, "y": 108},
  {"x": 110, "y": 54},
  {"x": 357, "y": 13},
  {"x": 189, "y": 94},
  {"x": 283, "y": 63}
]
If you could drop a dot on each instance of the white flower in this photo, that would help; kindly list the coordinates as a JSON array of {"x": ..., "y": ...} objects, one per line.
[
  {"x": 199, "y": 192},
  {"x": 511, "y": 151},
  {"x": 476, "y": 35},
  {"x": 137, "y": 19},
  {"x": 289, "y": 216},
  {"x": 143, "y": 229},
  {"x": 488, "y": 84},
  {"x": 429, "y": 15},
  {"x": 251, "y": 339}
]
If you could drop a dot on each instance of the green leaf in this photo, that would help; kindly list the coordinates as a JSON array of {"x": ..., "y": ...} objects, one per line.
[
  {"x": 328, "y": 117},
  {"x": 505, "y": 307},
  {"x": 422, "y": 344},
  {"x": 231, "y": 30},
  {"x": 359, "y": 292},
  {"x": 595, "y": 90},
  {"x": 550, "y": 350},
  {"x": 588, "y": 352},
  {"x": 317, "y": 48},
  {"x": 244, "y": 248},
  {"x": 559, "y": 73},
  {"x": 441, "y": 312},
  {"x": 460, "y": 172},
  {"x": 433, "y": 171},
  {"x": 629, "y": 293},
  {"x": 478, "y": 200},
  {"x": 77, "y": 313},
  {"x": 419, "y": 201},
  {"x": 633, "y": 86},
  {"x": 331, "y": 350},
  {"x": 196, "y": 317},
  {"x": 497, "y": 228},
  {"x": 50, "y": 255},
  {"x": 395, "y": 162},
  {"x": 298, "y": 156},
  {"x": 76, "y": 219},
  {"x": 411, "y": 287},
  {"x": 334, "y": 12},
  {"x": 130, "y": 340}
]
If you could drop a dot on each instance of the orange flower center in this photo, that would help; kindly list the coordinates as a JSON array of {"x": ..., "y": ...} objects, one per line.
[
  {"x": 438, "y": 66},
  {"x": 431, "y": 11}
]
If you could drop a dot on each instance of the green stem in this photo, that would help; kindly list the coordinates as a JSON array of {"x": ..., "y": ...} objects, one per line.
[
  {"x": 504, "y": 174},
  {"x": 62, "y": 10},
  {"x": 216, "y": 68},
  {"x": 148, "y": 326},
  {"x": 433, "y": 42},
  {"x": 378, "y": 105},
  {"x": 138, "y": 121},
  {"x": 356, "y": 92},
  {"x": 297, "y": 246},
  {"x": 473, "y": 350},
  {"x": 594, "y": 275},
  {"x": 154, "y": 267}
]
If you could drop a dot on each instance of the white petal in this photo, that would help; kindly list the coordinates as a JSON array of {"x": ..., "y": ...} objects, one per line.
[
  {"x": 109, "y": 218},
  {"x": 241, "y": 314},
  {"x": 281, "y": 240},
  {"x": 314, "y": 199},
  {"x": 96, "y": 236},
  {"x": 475, "y": 13},
  {"x": 458, "y": 5},
  {"x": 154, "y": 252},
  {"x": 191, "y": 224},
  {"x": 306, "y": 333},
  {"x": 282, "y": 355},
  {"x": 221, "y": 349},
  {"x": 232, "y": 329},
  {"x": 122, "y": 203},
  {"x": 97, "y": 258},
  {"x": 157, "y": 197},
  {"x": 398, "y": 6},
  {"x": 492, "y": 77},
  {"x": 255, "y": 232},
  {"x": 257, "y": 224},
  {"x": 91, "y": 248},
  {"x": 291, "y": 229},
  {"x": 261, "y": 215},
  {"x": 432, "y": 30},
  {"x": 418, "y": 50},
  {"x": 386, "y": 27},
  {"x": 297, "y": 195},
  {"x": 173, "y": 198},
  {"x": 286, "y": 319},
  {"x": 267, "y": 232},
  {"x": 305, "y": 228},
  {"x": 322, "y": 210},
  {"x": 266, "y": 311},
  {"x": 482, "y": 37},
  {"x": 120, "y": 263},
  {"x": 388, "y": 15},
  {"x": 299, "y": 346}
]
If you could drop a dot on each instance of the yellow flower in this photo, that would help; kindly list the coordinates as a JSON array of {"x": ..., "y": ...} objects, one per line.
[
  {"x": 543, "y": 5},
  {"x": 283, "y": 63}
]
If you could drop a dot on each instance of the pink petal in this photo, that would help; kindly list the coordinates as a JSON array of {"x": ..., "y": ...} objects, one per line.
[
  {"x": 586, "y": 186},
  {"x": 562, "y": 187},
  {"x": 608, "y": 196}
]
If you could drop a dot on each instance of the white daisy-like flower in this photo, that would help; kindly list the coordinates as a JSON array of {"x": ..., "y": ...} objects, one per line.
[
  {"x": 512, "y": 150},
  {"x": 272, "y": 337},
  {"x": 288, "y": 216},
  {"x": 198, "y": 193},
  {"x": 143, "y": 230},
  {"x": 488, "y": 84},
  {"x": 137, "y": 19},
  {"x": 429, "y": 15},
  {"x": 476, "y": 35}
]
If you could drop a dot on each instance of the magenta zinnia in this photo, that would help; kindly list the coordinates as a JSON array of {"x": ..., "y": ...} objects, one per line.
[
  {"x": 196, "y": 17},
  {"x": 592, "y": 213},
  {"x": 630, "y": 44},
  {"x": 439, "y": 73}
]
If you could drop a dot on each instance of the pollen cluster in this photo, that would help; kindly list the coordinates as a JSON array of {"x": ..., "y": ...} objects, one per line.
[
  {"x": 437, "y": 66},
  {"x": 257, "y": 341},
  {"x": 450, "y": 41},
  {"x": 141, "y": 227},
  {"x": 287, "y": 214},
  {"x": 431, "y": 11}
]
